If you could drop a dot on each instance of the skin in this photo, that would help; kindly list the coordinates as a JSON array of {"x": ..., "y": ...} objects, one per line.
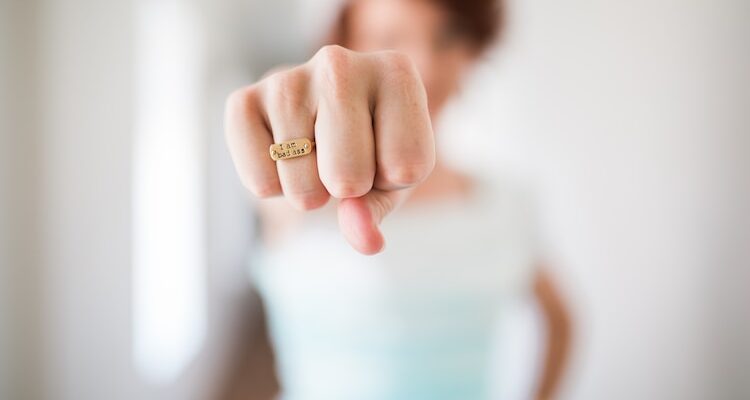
[
  {"x": 399, "y": 68},
  {"x": 345, "y": 101},
  {"x": 559, "y": 334}
]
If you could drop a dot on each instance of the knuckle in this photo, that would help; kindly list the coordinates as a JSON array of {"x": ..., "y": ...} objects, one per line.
[
  {"x": 396, "y": 61},
  {"x": 240, "y": 101},
  {"x": 402, "y": 176},
  {"x": 261, "y": 190},
  {"x": 334, "y": 68},
  {"x": 398, "y": 65},
  {"x": 306, "y": 201},
  {"x": 286, "y": 90},
  {"x": 401, "y": 76},
  {"x": 343, "y": 188},
  {"x": 242, "y": 115},
  {"x": 332, "y": 55}
]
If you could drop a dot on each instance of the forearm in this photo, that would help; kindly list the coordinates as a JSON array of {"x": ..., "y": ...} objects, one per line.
[{"x": 559, "y": 336}]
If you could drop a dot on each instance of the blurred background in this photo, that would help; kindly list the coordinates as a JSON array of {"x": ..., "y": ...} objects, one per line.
[{"x": 124, "y": 231}]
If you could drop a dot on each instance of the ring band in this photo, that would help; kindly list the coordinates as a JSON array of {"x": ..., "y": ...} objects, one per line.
[{"x": 291, "y": 148}]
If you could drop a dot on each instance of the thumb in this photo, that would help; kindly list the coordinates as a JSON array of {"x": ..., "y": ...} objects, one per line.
[{"x": 360, "y": 217}]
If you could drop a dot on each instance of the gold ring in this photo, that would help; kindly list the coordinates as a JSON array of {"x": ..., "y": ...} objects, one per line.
[{"x": 291, "y": 149}]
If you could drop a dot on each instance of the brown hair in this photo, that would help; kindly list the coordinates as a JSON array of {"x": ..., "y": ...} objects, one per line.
[{"x": 478, "y": 21}]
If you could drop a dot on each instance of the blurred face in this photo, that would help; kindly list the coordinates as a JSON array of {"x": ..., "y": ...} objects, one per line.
[{"x": 420, "y": 29}]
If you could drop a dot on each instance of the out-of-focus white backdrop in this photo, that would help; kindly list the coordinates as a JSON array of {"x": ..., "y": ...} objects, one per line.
[{"x": 632, "y": 118}]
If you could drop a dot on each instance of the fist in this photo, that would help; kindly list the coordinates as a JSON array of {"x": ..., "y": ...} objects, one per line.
[{"x": 368, "y": 116}]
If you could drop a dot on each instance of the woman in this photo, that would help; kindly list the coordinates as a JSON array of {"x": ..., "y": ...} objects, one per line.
[{"x": 416, "y": 320}]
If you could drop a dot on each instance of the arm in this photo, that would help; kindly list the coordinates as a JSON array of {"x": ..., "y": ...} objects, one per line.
[
  {"x": 251, "y": 373},
  {"x": 557, "y": 320}
]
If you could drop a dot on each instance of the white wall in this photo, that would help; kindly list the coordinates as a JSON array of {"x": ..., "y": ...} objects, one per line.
[
  {"x": 81, "y": 146},
  {"x": 633, "y": 115},
  {"x": 85, "y": 95},
  {"x": 647, "y": 140}
]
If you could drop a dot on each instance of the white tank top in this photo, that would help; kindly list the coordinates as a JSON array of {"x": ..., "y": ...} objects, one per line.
[{"x": 413, "y": 322}]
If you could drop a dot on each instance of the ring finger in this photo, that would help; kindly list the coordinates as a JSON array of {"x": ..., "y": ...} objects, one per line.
[{"x": 291, "y": 115}]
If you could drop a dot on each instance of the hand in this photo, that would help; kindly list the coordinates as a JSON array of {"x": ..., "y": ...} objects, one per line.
[{"x": 368, "y": 115}]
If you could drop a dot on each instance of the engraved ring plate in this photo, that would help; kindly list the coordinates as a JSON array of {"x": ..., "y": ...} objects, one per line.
[{"x": 291, "y": 149}]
